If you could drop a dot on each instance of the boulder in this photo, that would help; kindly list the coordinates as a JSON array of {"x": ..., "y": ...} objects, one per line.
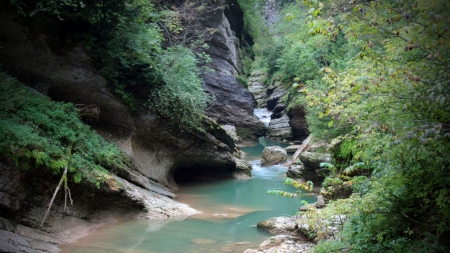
[
  {"x": 273, "y": 155},
  {"x": 320, "y": 203},
  {"x": 279, "y": 225}
]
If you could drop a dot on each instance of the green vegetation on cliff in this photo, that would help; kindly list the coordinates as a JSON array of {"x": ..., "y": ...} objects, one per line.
[
  {"x": 374, "y": 75},
  {"x": 36, "y": 133},
  {"x": 134, "y": 44}
]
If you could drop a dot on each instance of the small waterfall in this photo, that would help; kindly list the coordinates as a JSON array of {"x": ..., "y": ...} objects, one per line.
[{"x": 263, "y": 114}]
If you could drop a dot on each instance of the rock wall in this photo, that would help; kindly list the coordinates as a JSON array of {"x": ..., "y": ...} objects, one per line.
[
  {"x": 156, "y": 149},
  {"x": 235, "y": 104}
]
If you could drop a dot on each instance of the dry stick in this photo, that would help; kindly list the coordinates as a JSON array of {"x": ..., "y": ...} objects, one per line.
[
  {"x": 304, "y": 145},
  {"x": 54, "y": 195}
]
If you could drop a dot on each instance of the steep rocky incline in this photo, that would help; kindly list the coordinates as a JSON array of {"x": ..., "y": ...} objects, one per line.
[{"x": 235, "y": 104}]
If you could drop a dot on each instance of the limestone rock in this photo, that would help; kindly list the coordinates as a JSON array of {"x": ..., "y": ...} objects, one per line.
[
  {"x": 10, "y": 242},
  {"x": 273, "y": 155},
  {"x": 279, "y": 128},
  {"x": 234, "y": 103},
  {"x": 279, "y": 225},
  {"x": 312, "y": 170},
  {"x": 292, "y": 149},
  {"x": 243, "y": 169},
  {"x": 282, "y": 244},
  {"x": 231, "y": 131},
  {"x": 274, "y": 94},
  {"x": 24, "y": 199},
  {"x": 295, "y": 171},
  {"x": 297, "y": 122}
]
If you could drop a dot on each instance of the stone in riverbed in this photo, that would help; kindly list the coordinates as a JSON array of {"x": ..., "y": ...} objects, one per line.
[
  {"x": 279, "y": 225},
  {"x": 273, "y": 155}
]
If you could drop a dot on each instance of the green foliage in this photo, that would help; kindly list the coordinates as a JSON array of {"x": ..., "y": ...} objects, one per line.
[
  {"x": 389, "y": 104},
  {"x": 127, "y": 44},
  {"x": 242, "y": 79},
  {"x": 181, "y": 98},
  {"x": 307, "y": 186},
  {"x": 36, "y": 132}
]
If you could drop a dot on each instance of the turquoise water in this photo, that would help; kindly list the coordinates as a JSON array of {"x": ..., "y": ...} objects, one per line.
[{"x": 231, "y": 209}]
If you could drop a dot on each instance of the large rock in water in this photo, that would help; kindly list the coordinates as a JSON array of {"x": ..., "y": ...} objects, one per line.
[
  {"x": 273, "y": 155},
  {"x": 234, "y": 103},
  {"x": 279, "y": 225}
]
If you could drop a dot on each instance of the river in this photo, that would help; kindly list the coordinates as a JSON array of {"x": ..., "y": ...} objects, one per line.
[{"x": 230, "y": 211}]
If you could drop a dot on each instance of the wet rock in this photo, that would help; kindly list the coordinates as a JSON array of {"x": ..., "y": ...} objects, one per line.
[
  {"x": 273, "y": 155},
  {"x": 243, "y": 169},
  {"x": 25, "y": 195}
]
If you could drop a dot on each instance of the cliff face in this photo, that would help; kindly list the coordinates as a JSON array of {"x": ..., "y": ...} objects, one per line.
[
  {"x": 235, "y": 103},
  {"x": 156, "y": 149}
]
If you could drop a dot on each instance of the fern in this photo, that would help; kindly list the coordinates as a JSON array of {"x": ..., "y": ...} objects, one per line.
[
  {"x": 35, "y": 133},
  {"x": 353, "y": 168}
]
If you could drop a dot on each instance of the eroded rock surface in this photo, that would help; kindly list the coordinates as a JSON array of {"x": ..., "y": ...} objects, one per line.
[
  {"x": 234, "y": 103},
  {"x": 273, "y": 155},
  {"x": 24, "y": 197},
  {"x": 279, "y": 225}
]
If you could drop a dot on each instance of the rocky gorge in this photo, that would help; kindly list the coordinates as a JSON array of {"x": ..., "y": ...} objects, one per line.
[{"x": 159, "y": 153}]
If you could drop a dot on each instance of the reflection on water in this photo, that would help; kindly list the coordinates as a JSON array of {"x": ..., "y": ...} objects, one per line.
[
  {"x": 230, "y": 210},
  {"x": 254, "y": 152}
]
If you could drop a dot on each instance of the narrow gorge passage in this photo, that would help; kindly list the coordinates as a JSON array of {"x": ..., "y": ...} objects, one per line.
[{"x": 230, "y": 210}]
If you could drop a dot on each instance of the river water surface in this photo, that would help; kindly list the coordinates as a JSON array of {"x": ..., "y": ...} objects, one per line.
[{"x": 230, "y": 211}]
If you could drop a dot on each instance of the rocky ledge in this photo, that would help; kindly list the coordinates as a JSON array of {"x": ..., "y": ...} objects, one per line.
[{"x": 25, "y": 195}]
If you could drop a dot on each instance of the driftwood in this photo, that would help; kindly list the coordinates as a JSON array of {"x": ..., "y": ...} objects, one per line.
[{"x": 300, "y": 149}]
